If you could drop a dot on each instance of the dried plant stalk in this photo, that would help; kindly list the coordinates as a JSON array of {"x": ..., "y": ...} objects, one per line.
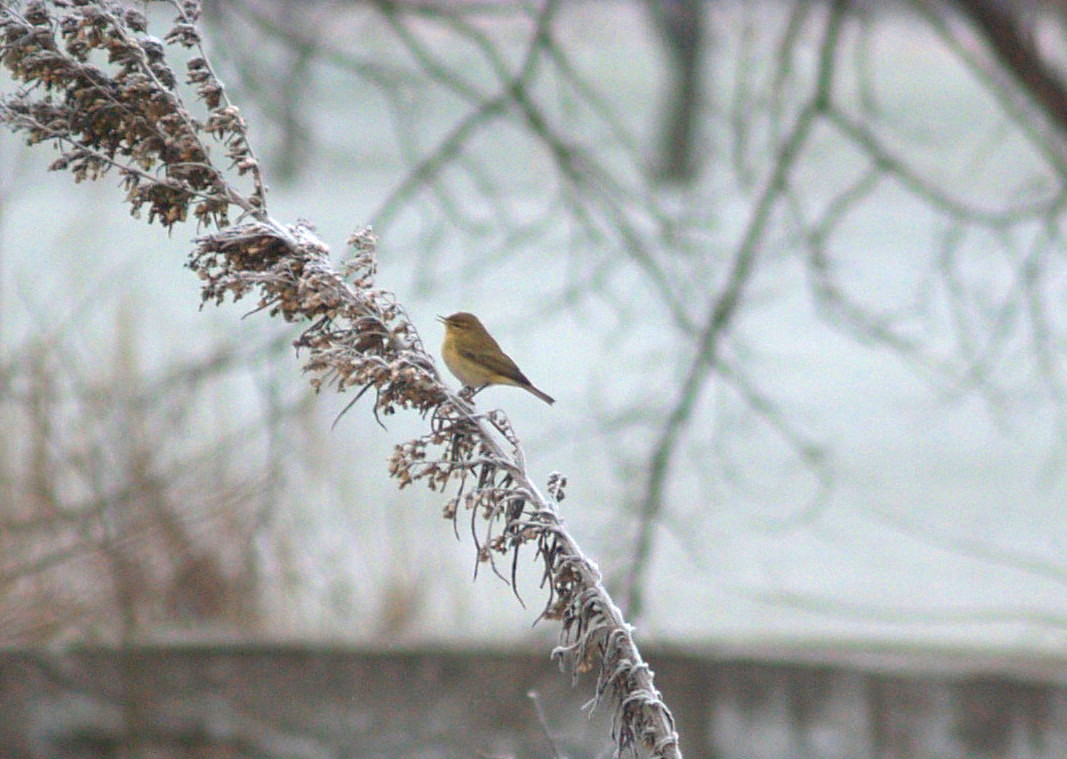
[{"x": 128, "y": 115}]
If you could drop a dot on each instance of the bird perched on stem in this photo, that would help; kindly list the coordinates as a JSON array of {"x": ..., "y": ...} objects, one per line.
[{"x": 476, "y": 359}]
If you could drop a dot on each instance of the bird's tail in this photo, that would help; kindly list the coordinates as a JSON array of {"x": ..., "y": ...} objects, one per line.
[{"x": 543, "y": 396}]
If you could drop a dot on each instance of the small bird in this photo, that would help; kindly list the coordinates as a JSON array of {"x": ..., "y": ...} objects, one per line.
[{"x": 472, "y": 354}]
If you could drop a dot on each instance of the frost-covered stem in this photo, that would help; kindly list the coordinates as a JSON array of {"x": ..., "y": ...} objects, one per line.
[
  {"x": 593, "y": 631},
  {"x": 129, "y": 116}
]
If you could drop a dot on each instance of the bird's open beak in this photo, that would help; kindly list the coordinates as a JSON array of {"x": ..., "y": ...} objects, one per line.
[{"x": 442, "y": 319}]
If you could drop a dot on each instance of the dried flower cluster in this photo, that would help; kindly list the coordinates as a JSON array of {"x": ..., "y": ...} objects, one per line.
[
  {"x": 130, "y": 117},
  {"x": 483, "y": 454},
  {"x": 99, "y": 87},
  {"x": 358, "y": 335}
]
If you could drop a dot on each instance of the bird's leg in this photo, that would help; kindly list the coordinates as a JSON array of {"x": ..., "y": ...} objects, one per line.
[{"x": 469, "y": 391}]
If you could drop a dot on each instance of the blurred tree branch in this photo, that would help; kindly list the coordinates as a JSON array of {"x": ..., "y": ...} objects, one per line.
[
  {"x": 723, "y": 308},
  {"x": 681, "y": 26},
  {"x": 664, "y": 256},
  {"x": 1003, "y": 27}
]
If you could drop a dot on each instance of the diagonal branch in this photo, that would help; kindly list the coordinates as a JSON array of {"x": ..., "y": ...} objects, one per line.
[{"x": 355, "y": 334}]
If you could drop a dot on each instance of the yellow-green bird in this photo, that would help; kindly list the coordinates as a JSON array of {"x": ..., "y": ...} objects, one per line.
[{"x": 476, "y": 359}]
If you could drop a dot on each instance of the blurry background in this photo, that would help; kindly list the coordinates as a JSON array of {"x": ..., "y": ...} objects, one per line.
[{"x": 793, "y": 270}]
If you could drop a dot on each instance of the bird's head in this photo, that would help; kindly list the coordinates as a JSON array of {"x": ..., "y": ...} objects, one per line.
[{"x": 461, "y": 321}]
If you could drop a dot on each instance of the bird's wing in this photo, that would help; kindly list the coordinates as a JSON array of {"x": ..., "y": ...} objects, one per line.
[{"x": 500, "y": 363}]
